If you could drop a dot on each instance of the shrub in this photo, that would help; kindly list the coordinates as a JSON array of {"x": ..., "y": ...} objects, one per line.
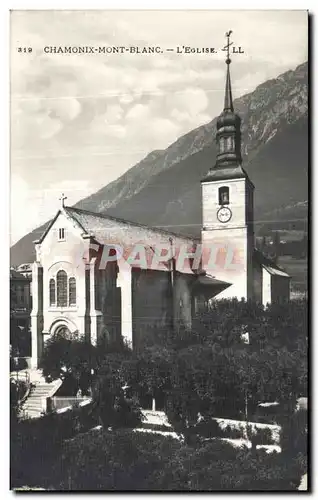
[
  {"x": 232, "y": 432},
  {"x": 120, "y": 460},
  {"x": 127, "y": 412},
  {"x": 42, "y": 440},
  {"x": 123, "y": 460},
  {"x": 294, "y": 434},
  {"x": 262, "y": 436}
]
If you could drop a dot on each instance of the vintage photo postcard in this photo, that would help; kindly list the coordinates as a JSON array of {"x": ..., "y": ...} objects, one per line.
[{"x": 159, "y": 236}]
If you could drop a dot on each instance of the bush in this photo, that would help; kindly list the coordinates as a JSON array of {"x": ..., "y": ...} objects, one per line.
[
  {"x": 121, "y": 460},
  {"x": 262, "y": 436},
  {"x": 42, "y": 440},
  {"x": 209, "y": 428},
  {"x": 127, "y": 413},
  {"x": 294, "y": 434}
]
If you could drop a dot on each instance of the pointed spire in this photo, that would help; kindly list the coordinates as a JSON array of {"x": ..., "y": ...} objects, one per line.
[{"x": 228, "y": 101}]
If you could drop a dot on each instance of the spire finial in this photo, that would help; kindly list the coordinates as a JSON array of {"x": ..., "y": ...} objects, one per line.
[
  {"x": 62, "y": 199},
  {"x": 228, "y": 101},
  {"x": 227, "y": 46}
]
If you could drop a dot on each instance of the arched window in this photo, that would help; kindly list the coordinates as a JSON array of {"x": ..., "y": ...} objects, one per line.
[
  {"x": 61, "y": 285},
  {"x": 224, "y": 196},
  {"x": 52, "y": 292},
  {"x": 72, "y": 291}
]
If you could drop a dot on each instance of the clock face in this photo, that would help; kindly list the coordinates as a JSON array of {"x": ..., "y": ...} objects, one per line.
[{"x": 224, "y": 214}]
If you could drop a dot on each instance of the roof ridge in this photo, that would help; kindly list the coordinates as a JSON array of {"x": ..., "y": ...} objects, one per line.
[{"x": 126, "y": 221}]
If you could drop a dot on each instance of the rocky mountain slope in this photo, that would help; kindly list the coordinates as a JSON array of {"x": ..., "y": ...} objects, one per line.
[{"x": 164, "y": 188}]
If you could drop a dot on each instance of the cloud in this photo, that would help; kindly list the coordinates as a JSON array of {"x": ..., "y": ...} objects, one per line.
[
  {"x": 192, "y": 101},
  {"x": 114, "y": 113},
  {"x": 137, "y": 112}
]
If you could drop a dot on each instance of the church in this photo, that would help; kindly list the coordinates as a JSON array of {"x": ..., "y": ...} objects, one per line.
[{"x": 105, "y": 277}]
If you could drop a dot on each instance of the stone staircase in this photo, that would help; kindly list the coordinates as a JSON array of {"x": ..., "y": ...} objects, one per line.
[{"x": 35, "y": 403}]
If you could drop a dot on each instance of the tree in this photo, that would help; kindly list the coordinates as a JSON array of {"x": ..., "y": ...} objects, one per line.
[
  {"x": 69, "y": 358},
  {"x": 198, "y": 369},
  {"x": 115, "y": 408}
]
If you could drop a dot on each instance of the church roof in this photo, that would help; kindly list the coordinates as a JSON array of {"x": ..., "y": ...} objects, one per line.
[
  {"x": 108, "y": 230},
  {"x": 104, "y": 228}
]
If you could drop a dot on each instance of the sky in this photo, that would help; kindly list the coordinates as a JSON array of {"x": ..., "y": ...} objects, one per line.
[{"x": 79, "y": 121}]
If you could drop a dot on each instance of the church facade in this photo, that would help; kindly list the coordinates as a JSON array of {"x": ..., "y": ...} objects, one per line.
[{"x": 105, "y": 277}]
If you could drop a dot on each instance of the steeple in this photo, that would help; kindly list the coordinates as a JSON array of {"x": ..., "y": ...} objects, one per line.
[{"x": 228, "y": 135}]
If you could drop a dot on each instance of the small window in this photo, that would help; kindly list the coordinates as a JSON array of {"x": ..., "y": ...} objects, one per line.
[
  {"x": 61, "y": 234},
  {"x": 52, "y": 292},
  {"x": 230, "y": 143},
  {"x": 72, "y": 291},
  {"x": 222, "y": 145},
  {"x": 224, "y": 196}
]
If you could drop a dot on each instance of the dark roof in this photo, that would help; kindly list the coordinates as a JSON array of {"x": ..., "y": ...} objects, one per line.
[
  {"x": 14, "y": 275},
  {"x": 207, "y": 280},
  {"x": 226, "y": 172}
]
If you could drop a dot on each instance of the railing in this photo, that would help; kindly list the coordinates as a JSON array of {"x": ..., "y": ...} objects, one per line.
[{"x": 22, "y": 376}]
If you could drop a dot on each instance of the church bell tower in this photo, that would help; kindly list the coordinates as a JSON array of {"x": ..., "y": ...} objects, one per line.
[{"x": 227, "y": 205}]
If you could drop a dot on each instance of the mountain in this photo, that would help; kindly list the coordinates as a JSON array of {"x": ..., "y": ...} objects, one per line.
[{"x": 164, "y": 188}]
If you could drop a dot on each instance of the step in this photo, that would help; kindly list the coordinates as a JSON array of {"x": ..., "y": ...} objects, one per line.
[
  {"x": 39, "y": 384},
  {"x": 42, "y": 388},
  {"x": 35, "y": 401}
]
